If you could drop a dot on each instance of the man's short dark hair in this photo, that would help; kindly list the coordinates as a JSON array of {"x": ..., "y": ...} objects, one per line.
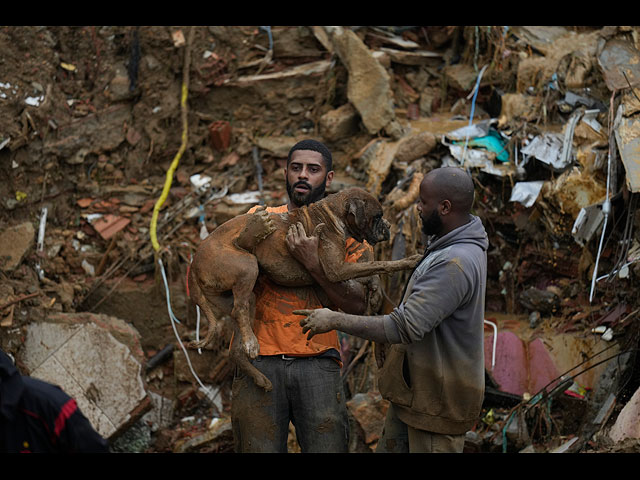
[{"x": 316, "y": 146}]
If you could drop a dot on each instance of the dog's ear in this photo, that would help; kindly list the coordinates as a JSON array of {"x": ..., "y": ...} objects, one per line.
[{"x": 355, "y": 212}]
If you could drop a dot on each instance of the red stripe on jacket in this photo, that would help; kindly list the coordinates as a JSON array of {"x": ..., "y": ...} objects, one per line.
[{"x": 67, "y": 410}]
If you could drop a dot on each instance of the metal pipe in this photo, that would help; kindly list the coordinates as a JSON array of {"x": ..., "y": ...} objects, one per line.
[{"x": 495, "y": 342}]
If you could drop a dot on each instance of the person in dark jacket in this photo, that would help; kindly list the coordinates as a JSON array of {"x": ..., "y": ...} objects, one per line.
[
  {"x": 433, "y": 373},
  {"x": 38, "y": 417}
]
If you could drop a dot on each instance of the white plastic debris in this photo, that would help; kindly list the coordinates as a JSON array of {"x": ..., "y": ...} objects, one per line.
[
  {"x": 547, "y": 148},
  {"x": 587, "y": 223},
  {"x": 245, "y": 197},
  {"x": 480, "y": 129},
  {"x": 526, "y": 193},
  {"x": 40, "y": 244},
  {"x": 607, "y": 333},
  {"x": 34, "y": 101},
  {"x": 88, "y": 268},
  {"x": 200, "y": 182}
]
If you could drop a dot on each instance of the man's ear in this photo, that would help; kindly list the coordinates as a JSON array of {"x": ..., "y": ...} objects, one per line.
[
  {"x": 329, "y": 179},
  {"x": 445, "y": 207}
]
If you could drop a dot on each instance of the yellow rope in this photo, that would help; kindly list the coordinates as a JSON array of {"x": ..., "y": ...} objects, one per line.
[{"x": 183, "y": 146}]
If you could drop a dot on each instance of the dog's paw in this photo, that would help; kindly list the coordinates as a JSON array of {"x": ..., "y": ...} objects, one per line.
[
  {"x": 251, "y": 347},
  {"x": 268, "y": 227},
  {"x": 263, "y": 382},
  {"x": 415, "y": 259}
]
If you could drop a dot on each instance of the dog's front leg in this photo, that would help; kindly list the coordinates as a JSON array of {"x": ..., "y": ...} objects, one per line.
[{"x": 341, "y": 271}]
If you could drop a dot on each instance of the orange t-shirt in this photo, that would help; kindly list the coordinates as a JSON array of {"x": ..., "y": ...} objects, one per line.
[{"x": 278, "y": 330}]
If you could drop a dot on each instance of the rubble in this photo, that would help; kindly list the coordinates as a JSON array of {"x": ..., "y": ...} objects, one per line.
[
  {"x": 95, "y": 359},
  {"x": 545, "y": 118},
  {"x": 15, "y": 241}
]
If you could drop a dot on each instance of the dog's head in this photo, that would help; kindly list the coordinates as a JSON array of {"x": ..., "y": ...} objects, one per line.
[{"x": 364, "y": 217}]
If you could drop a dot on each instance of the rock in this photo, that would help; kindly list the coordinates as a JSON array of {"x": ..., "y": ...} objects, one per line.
[
  {"x": 278, "y": 146},
  {"x": 543, "y": 301},
  {"x": 96, "y": 134},
  {"x": 94, "y": 358},
  {"x": 14, "y": 244},
  {"x": 339, "y": 123},
  {"x": 119, "y": 86},
  {"x": 144, "y": 306},
  {"x": 415, "y": 146},
  {"x": 429, "y": 97},
  {"x": 369, "y": 410},
  {"x": 368, "y": 87},
  {"x": 461, "y": 76},
  {"x": 516, "y": 106}
]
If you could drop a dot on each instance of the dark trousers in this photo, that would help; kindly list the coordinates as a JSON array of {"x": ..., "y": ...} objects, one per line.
[
  {"x": 307, "y": 391},
  {"x": 398, "y": 437}
]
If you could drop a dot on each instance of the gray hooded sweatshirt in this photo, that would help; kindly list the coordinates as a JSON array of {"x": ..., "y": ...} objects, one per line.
[{"x": 434, "y": 369}]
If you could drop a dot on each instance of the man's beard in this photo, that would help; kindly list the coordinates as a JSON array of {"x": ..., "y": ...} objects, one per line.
[
  {"x": 431, "y": 225},
  {"x": 307, "y": 198}
]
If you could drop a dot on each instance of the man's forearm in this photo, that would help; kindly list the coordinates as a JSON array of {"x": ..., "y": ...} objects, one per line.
[
  {"x": 349, "y": 295},
  {"x": 367, "y": 327}
]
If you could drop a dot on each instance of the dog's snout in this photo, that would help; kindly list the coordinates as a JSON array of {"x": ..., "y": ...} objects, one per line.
[{"x": 384, "y": 230}]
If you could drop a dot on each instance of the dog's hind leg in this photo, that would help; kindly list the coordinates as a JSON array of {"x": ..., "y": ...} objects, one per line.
[
  {"x": 244, "y": 364},
  {"x": 242, "y": 313},
  {"x": 202, "y": 302}
]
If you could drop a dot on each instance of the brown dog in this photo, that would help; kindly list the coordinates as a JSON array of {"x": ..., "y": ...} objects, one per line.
[{"x": 230, "y": 259}]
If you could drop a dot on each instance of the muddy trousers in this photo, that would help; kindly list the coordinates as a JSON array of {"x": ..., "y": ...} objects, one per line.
[
  {"x": 308, "y": 392},
  {"x": 398, "y": 437}
]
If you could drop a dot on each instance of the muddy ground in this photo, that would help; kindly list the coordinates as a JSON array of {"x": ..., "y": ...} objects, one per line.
[{"x": 92, "y": 121}]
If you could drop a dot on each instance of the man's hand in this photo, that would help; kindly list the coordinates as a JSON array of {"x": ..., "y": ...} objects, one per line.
[
  {"x": 304, "y": 248},
  {"x": 317, "y": 321}
]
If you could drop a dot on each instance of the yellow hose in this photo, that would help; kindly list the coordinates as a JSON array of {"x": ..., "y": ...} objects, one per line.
[{"x": 183, "y": 146}]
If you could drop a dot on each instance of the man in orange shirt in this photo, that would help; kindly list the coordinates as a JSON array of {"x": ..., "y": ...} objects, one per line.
[{"x": 307, "y": 385}]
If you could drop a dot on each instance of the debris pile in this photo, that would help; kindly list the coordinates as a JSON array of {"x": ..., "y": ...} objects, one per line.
[{"x": 100, "y": 123}]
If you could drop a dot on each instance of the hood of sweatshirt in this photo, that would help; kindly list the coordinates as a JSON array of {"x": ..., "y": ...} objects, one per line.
[{"x": 472, "y": 232}]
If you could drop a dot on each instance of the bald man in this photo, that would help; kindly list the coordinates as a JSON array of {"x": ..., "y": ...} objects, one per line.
[{"x": 433, "y": 373}]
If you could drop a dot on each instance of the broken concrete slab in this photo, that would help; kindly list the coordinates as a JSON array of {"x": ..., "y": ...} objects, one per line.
[
  {"x": 94, "y": 358},
  {"x": 378, "y": 169},
  {"x": 368, "y": 87},
  {"x": 627, "y": 133},
  {"x": 618, "y": 60},
  {"x": 15, "y": 242}
]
